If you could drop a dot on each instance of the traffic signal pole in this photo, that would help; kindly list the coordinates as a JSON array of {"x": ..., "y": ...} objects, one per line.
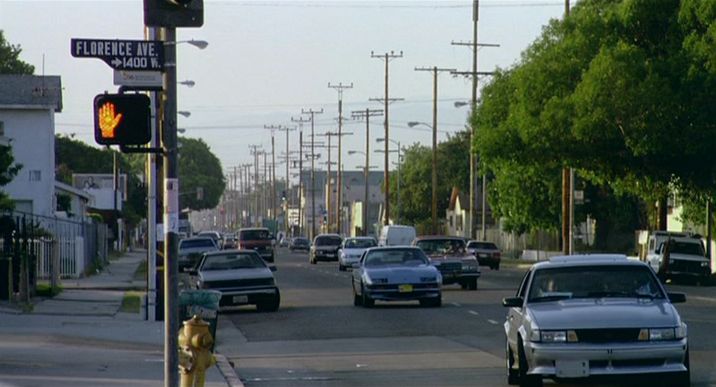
[{"x": 171, "y": 212}]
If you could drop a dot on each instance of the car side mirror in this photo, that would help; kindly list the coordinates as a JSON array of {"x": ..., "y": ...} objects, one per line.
[
  {"x": 677, "y": 298},
  {"x": 513, "y": 302}
]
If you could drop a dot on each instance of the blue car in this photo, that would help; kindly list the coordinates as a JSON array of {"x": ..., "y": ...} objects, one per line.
[{"x": 395, "y": 274}]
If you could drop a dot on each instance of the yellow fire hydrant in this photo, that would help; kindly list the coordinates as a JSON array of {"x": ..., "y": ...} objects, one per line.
[{"x": 194, "y": 354}]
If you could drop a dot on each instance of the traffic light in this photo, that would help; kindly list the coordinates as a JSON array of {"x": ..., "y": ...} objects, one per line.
[
  {"x": 173, "y": 13},
  {"x": 122, "y": 119}
]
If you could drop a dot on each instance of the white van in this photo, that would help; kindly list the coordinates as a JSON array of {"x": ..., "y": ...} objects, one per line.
[{"x": 394, "y": 235}]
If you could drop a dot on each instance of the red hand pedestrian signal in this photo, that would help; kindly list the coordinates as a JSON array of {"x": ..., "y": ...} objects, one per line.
[
  {"x": 108, "y": 121},
  {"x": 122, "y": 119}
]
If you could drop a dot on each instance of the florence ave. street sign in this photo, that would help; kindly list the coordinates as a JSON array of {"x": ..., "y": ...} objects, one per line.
[{"x": 139, "y": 55}]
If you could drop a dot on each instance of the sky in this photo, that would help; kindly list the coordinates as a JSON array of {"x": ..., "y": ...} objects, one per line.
[{"x": 268, "y": 60}]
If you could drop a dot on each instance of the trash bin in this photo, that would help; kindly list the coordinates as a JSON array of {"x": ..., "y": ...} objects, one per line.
[{"x": 203, "y": 303}]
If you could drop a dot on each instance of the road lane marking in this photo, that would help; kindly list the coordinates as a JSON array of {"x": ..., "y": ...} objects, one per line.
[
  {"x": 493, "y": 322},
  {"x": 456, "y": 304},
  {"x": 472, "y": 312}
]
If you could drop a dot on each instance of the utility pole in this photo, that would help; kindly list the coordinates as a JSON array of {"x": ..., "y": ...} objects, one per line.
[
  {"x": 313, "y": 113},
  {"x": 435, "y": 71},
  {"x": 567, "y": 177},
  {"x": 256, "y": 152},
  {"x": 366, "y": 114},
  {"x": 287, "y": 227},
  {"x": 339, "y": 200},
  {"x": 474, "y": 74},
  {"x": 386, "y": 57},
  {"x": 301, "y": 121},
  {"x": 274, "y": 209}
]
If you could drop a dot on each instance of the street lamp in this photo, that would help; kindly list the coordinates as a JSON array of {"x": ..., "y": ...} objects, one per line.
[
  {"x": 184, "y": 113},
  {"x": 187, "y": 83},
  {"x": 201, "y": 44},
  {"x": 459, "y": 104}
]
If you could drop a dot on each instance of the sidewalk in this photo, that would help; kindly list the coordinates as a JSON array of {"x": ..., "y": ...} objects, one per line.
[{"x": 86, "y": 313}]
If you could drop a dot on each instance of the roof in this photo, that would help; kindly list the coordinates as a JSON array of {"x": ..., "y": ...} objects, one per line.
[
  {"x": 454, "y": 196},
  {"x": 60, "y": 186},
  {"x": 30, "y": 91},
  {"x": 587, "y": 259}
]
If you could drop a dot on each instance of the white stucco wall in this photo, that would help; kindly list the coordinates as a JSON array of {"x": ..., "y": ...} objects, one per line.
[{"x": 32, "y": 140}]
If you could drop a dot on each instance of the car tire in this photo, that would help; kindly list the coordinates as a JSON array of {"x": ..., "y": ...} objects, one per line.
[
  {"x": 431, "y": 302},
  {"x": 526, "y": 380},
  {"x": 269, "y": 306},
  {"x": 366, "y": 301},
  {"x": 513, "y": 376},
  {"x": 682, "y": 379},
  {"x": 472, "y": 284},
  {"x": 357, "y": 300}
]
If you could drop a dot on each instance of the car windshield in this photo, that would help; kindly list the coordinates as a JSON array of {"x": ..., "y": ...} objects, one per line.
[
  {"x": 328, "y": 241},
  {"x": 395, "y": 257},
  {"x": 482, "y": 245},
  {"x": 441, "y": 246},
  {"x": 687, "y": 248},
  {"x": 359, "y": 243},
  {"x": 300, "y": 241},
  {"x": 196, "y": 243},
  {"x": 594, "y": 282},
  {"x": 255, "y": 235},
  {"x": 232, "y": 262}
]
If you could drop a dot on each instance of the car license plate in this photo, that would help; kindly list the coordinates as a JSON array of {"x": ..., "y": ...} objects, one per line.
[
  {"x": 405, "y": 288},
  {"x": 572, "y": 368},
  {"x": 241, "y": 299}
]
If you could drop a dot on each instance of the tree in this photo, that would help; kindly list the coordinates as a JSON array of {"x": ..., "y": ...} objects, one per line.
[
  {"x": 199, "y": 168},
  {"x": 619, "y": 90}
]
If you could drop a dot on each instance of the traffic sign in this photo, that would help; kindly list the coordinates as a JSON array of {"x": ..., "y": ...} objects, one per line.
[
  {"x": 138, "y": 78},
  {"x": 142, "y": 55}
]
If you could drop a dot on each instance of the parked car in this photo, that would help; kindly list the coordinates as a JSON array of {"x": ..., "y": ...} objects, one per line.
[
  {"x": 678, "y": 256},
  {"x": 191, "y": 250},
  {"x": 396, "y": 235},
  {"x": 352, "y": 249},
  {"x": 395, "y": 274},
  {"x": 574, "y": 317},
  {"x": 242, "y": 277},
  {"x": 258, "y": 239},
  {"x": 487, "y": 253},
  {"x": 324, "y": 248},
  {"x": 450, "y": 257},
  {"x": 299, "y": 243}
]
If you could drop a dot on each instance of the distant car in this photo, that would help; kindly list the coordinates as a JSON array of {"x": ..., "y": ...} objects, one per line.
[
  {"x": 191, "y": 250},
  {"x": 450, "y": 256},
  {"x": 395, "y": 274},
  {"x": 575, "y": 317},
  {"x": 242, "y": 277},
  {"x": 324, "y": 248},
  {"x": 487, "y": 253},
  {"x": 215, "y": 235},
  {"x": 258, "y": 239},
  {"x": 299, "y": 243},
  {"x": 352, "y": 249},
  {"x": 230, "y": 242}
]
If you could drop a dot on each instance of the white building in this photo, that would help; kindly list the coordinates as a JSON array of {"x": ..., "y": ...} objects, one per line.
[{"x": 28, "y": 105}]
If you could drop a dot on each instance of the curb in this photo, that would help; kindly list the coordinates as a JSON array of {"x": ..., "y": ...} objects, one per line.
[{"x": 227, "y": 370}]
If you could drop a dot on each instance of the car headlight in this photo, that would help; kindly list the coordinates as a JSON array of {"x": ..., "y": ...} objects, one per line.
[
  {"x": 662, "y": 334},
  {"x": 375, "y": 281},
  {"x": 429, "y": 279},
  {"x": 548, "y": 336},
  {"x": 705, "y": 264}
]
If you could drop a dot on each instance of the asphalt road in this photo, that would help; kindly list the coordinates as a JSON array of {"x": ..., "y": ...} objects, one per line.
[{"x": 318, "y": 338}]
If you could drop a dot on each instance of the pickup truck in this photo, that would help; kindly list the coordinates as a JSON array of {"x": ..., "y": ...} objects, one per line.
[
  {"x": 678, "y": 256},
  {"x": 258, "y": 239}
]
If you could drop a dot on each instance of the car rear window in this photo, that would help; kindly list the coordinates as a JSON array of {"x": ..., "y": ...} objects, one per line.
[
  {"x": 232, "y": 262},
  {"x": 687, "y": 248},
  {"x": 359, "y": 243},
  {"x": 441, "y": 246},
  {"x": 254, "y": 235},
  {"x": 328, "y": 241},
  {"x": 194, "y": 243},
  {"x": 482, "y": 246}
]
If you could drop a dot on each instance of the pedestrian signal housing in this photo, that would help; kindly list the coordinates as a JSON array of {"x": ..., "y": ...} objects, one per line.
[{"x": 122, "y": 119}]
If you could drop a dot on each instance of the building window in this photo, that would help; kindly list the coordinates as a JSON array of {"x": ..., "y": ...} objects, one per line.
[{"x": 35, "y": 175}]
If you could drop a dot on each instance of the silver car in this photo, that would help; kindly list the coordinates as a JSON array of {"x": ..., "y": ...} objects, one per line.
[
  {"x": 395, "y": 274},
  {"x": 242, "y": 277},
  {"x": 352, "y": 249},
  {"x": 594, "y": 315}
]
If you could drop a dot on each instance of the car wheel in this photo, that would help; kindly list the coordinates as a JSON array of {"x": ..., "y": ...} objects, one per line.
[
  {"x": 431, "y": 302},
  {"x": 269, "y": 306},
  {"x": 366, "y": 301},
  {"x": 682, "y": 379},
  {"x": 513, "y": 377},
  {"x": 526, "y": 380},
  {"x": 357, "y": 300},
  {"x": 472, "y": 284}
]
